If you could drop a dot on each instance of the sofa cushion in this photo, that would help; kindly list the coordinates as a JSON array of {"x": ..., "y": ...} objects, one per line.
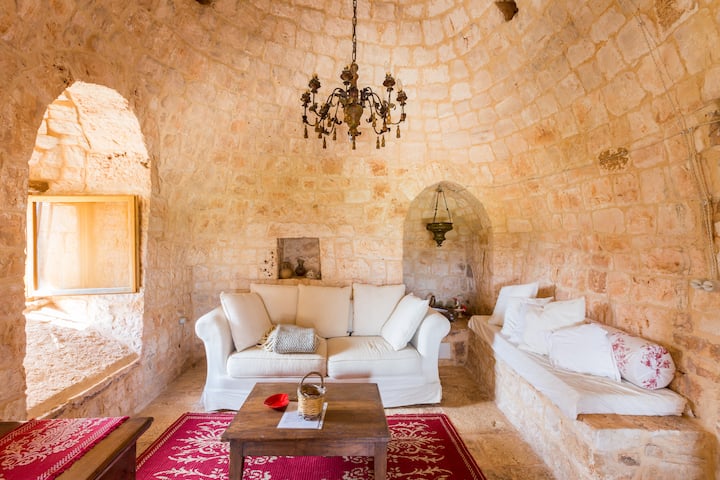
[
  {"x": 257, "y": 362},
  {"x": 526, "y": 290},
  {"x": 246, "y": 316},
  {"x": 280, "y": 301},
  {"x": 324, "y": 308},
  {"x": 372, "y": 306},
  {"x": 365, "y": 357}
]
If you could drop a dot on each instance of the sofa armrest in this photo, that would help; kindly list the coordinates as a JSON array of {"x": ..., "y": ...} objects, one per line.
[
  {"x": 214, "y": 330},
  {"x": 427, "y": 339}
]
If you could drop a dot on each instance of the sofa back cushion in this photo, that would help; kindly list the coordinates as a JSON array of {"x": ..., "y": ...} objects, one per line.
[
  {"x": 247, "y": 318},
  {"x": 281, "y": 301},
  {"x": 327, "y": 309},
  {"x": 372, "y": 306}
]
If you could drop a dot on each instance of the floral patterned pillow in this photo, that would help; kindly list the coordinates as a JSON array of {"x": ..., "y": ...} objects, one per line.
[{"x": 642, "y": 362}]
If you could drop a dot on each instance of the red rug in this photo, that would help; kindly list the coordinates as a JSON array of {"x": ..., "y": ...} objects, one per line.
[
  {"x": 43, "y": 449},
  {"x": 422, "y": 447}
]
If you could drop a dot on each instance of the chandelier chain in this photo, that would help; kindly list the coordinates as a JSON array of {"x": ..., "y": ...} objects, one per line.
[{"x": 354, "y": 35}]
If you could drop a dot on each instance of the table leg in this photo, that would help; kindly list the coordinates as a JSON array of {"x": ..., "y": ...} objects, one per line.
[
  {"x": 237, "y": 461},
  {"x": 380, "y": 458}
]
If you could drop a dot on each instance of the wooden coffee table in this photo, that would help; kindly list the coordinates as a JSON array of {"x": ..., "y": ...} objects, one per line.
[{"x": 355, "y": 425}]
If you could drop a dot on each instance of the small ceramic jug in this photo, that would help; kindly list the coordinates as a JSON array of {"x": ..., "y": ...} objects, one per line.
[{"x": 286, "y": 270}]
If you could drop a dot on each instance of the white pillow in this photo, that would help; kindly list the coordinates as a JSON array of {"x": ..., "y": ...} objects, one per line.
[
  {"x": 247, "y": 318},
  {"x": 405, "y": 319},
  {"x": 514, "y": 323},
  {"x": 642, "y": 362},
  {"x": 584, "y": 349},
  {"x": 280, "y": 301},
  {"x": 373, "y": 305},
  {"x": 326, "y": 309},
  {"x": 551, "y": 317},
  {"x": 527, "y": 290}
]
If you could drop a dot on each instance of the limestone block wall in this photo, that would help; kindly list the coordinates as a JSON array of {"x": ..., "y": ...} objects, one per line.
[{"x": 586, "y": 132}]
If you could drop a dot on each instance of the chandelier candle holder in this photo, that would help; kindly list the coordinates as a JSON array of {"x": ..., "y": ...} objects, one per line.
[
  {"x": 354, "y": 101},
  {"x": 439, "y": 229}
]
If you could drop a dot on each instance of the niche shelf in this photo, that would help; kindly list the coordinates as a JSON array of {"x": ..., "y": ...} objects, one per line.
[{"x": 306, "y": 249}]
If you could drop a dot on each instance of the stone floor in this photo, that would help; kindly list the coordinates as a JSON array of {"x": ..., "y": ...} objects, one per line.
[{"x": 492, "y": 440}]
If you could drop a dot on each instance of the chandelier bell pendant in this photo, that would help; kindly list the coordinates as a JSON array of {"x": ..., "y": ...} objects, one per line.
[{"x": 354, "y": 101}]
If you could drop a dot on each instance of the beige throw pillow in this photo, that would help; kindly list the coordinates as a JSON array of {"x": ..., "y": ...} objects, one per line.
[
  {"x": 247, "y": 318},
  {"x": 404, "y": 321}
]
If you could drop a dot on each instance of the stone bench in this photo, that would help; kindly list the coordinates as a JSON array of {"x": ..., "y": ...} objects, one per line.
[{"x": 594, "y": 446}]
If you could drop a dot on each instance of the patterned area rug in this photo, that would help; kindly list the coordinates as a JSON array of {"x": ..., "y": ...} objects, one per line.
[
  {"x": 422, "y": 447},
  {"x": 43, "y": 449}
]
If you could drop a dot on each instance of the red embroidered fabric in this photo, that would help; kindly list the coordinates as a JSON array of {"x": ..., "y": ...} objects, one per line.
[{"x": 43, "y": 449}]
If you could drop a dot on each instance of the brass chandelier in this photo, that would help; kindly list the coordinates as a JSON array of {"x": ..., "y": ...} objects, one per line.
[{"x": 354, "y": 101}]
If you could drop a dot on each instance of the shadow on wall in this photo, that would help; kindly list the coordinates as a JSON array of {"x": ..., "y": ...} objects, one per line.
[{"x": 459, "y": 269}]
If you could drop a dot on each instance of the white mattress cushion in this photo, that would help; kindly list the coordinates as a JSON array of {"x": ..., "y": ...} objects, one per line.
[
  {"x": 246, "y": 316},
  {"x": 372, "y": 306},
  {"x": 258, "y": 362},
  {"x": 324, "y": 308},
  {"x": 280, "y": 301},
  {"x": 576, "y": 393},
  {"x": 367, "y": 357}
]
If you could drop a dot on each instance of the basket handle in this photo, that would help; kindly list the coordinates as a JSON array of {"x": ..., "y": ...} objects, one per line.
[{"x": 322, "y": 380}]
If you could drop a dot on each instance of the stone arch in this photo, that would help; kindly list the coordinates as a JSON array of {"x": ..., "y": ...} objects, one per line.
[
  {"x": 89, "y": 142},
  {"x": 461, "y": 267}
]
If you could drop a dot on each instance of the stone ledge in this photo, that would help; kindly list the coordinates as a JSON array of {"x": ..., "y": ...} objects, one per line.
[{"x": 595, "y": 446}]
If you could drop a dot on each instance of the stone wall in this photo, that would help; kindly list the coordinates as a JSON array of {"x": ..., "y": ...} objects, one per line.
[{"x": 586, "y": 132}]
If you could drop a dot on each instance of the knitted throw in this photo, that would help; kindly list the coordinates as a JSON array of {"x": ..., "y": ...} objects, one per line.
[{"x": 291, "y": 339}]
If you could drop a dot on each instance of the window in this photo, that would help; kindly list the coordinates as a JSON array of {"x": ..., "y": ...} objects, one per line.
[{"x": 82, "y": 245}]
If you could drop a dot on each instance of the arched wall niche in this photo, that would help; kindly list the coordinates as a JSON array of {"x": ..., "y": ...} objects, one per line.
[
  {"x": 461, "y": 267},
  {"x": 89, "y": 143}
]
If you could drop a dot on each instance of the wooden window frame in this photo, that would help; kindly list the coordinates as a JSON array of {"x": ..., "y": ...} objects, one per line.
[{"x": 130, "y": 283}]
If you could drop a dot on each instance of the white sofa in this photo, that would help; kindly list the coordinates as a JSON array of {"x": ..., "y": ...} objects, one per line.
[{"x": 353, "y": 325}]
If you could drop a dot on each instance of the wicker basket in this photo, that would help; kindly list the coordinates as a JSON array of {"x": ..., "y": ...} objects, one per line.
[{"x": 311, "y": 398}]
